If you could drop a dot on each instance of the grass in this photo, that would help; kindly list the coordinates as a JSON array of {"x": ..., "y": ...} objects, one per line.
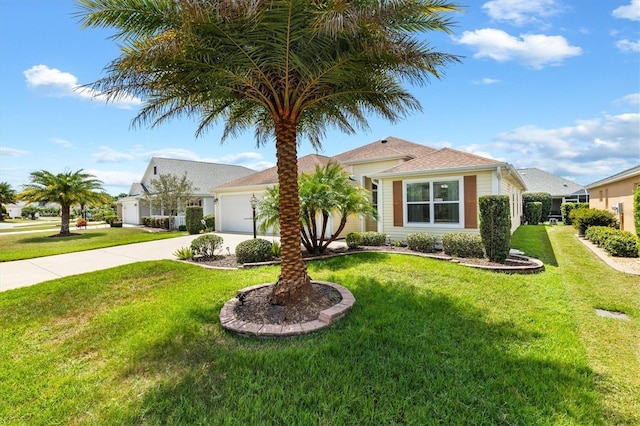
[
  {"x": 428, "y": 342},
  {"x": 31, "y": 245}
]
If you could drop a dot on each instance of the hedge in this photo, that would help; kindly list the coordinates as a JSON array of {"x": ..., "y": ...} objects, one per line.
[
  {"x": 533, "y": 212},
  {"x": 495, "y": 226},
  {"x": 541, "y": 197},
  {"x": 254, "y": 250},
  {"x": 585, "y": 218},
  {"x": 463, "y": 244},
  {"x": 636, "y": 211},
  {"x": 566, "y": 208},
  {"x": 421, "y": 241},
  {"x": 193, "y": 217},
  {"x": 371, "y": 238}
]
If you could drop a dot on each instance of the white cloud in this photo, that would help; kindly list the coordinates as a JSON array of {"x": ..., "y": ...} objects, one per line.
[
  {"x": 521, "y": 12},
  {"x": 533, "y": 50},
  {"x": 115, "y": 178},
  {"x": 628, "y": 46},
  {"x": 63, "y": 143},
  {"x": 585, "y": 150},
  {"x": 12, "y": 152},
  {"x": 630, "y": 11},
  {"x": 632, "y": 99},
  {"x": 110, "y": 155},
  {"x": 489, "y": 81},
  {"x": 53, "y": 82}
]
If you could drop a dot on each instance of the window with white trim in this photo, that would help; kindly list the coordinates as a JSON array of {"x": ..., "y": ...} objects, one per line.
[{"x": 433, "y": 202}]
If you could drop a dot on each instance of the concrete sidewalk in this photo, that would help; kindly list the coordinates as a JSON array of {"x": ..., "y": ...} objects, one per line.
[{"x": 22, "y": 273}]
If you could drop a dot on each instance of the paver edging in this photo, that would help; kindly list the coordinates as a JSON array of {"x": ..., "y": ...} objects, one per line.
[{"x": 325, "y": 318}]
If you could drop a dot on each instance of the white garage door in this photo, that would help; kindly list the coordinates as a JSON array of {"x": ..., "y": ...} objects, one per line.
[
  {"x": 235, "y": 213},
  {"x": 130, "y": 212}
]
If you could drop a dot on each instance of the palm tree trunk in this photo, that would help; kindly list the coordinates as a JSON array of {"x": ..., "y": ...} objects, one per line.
[
  {"x": 294, "y": 283},
  {"x": 64, "y": 225}
]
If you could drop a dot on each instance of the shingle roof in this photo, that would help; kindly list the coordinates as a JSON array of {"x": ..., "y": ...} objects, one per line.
[
  {"x": 633, "y": 171},
  {"x": 306, "y": 164},
  {"x": 540, "y": 181},
  {"x": 384, "y": 149},
  {"x": 442, "y": 159},
  {"x": 204, "y": 176}
]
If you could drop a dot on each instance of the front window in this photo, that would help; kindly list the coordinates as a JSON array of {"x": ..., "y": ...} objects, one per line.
[{"x": 433, "y": 202}]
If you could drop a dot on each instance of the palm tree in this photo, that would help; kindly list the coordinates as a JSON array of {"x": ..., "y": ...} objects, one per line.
[
  {"x": 7, "y": 196},
  {"x": 67, "y": 188},
  {"x": 282, "y": 67}
]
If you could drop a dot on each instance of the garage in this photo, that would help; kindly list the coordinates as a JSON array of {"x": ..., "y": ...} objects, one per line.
[{"x": 235, "y": 213}]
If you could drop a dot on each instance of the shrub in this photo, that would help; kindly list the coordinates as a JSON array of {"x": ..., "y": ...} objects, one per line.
[
  {"x": 182, "y": 228},
  {"x": 116, "y": 224},
  {"x": 372, "y": 238},
  {"x": 585, "y": 218},
  {"x": 208, "y": 245},
  {"x": 276, "y": 249},
  {"x": 81, "y": 222},
  {"x": 421, "y": 241},
  {"x": 211, "y": 222},
  {"x": 567, "y": 208},
  {"x": 598, "y": 234},
  {"x": 533, "y": 212},
  {"x": 636, "y": 211},
  {"x": 184, "y": 253},
  {"x": 254, "y": 250},
  {"x": 354, "y": 239},
  {"x": 621, "y": 244},
  {"x": 542, "y": 197},
  {"x": 495, "y": 226},
  {"x": 193, "y": 217},
  {"x": 463, "y": 244}
]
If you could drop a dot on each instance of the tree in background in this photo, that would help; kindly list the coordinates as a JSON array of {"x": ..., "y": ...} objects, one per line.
[
  {"x": 170, "y": 193},
  {"x": 7, "y": 196},
  {"x": 285, "y": 68},
  {"x": 324, "y": 193},
  {"x": 66, "y": 189}
]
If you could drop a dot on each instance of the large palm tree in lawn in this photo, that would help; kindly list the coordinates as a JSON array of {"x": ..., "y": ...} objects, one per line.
[
  {"x": 7, "y": 196},
  {"x": 285, "y": 68},
  {"x": 67, "y": 189}
]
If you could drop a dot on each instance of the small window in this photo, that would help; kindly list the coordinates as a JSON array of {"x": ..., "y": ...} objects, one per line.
[{"x": 155, "y": 170}]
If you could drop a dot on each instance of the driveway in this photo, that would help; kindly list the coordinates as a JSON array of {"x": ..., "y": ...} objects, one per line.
[{"x": 22, "y": 273}]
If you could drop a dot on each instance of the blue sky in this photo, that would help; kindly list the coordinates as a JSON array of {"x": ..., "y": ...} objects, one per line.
[{"x": 553, "y": 84}]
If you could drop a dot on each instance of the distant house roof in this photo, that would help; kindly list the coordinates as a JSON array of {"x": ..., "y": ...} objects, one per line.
[
  {"x": 384, "y": 149},
  {"x": 633, "y": 171},
  {"x": 204, "y": 176},
  {"x": 540, "y": 181},
  {"x": 306, "y": 164},
  {"x": 442, "y": 159}
]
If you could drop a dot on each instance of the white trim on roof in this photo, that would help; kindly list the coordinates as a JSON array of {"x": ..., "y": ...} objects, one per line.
[{"x": 614, "y": 178}]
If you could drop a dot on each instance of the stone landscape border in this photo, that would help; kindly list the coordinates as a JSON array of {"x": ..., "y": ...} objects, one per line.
[{"x": 327, "y": 317}]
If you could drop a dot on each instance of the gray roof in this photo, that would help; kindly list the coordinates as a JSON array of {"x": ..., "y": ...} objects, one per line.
[
  {"x": 204, "y": 176},
  {"x": 540, "y": 181}
]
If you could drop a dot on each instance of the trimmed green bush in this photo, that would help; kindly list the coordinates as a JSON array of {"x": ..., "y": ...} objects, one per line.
[
  {"x": 254, "y": 250},
  {"x": 621, "y": 244},
  {"x": 463, "y": 244},
  {"x": 116, "y": 224},
  {"x": 567, "y": 208},
  {"x": 533, "y": 212},
  {"x": 354, "y": 239},
  {"x": 421, "y": 241},
  {"x": 636, "y": 211},
  {"x": 495, "y": 226},
  {"x": 211, "y": 222},
  {"x": 585, "y": 218},
  {"x": 541, "y": 197},
  {"x": 208, "y": 245},
  {"x": 193, "y": 217},
  {"x": 371, "y": 238},
  {"x": 599, "y": 234}
]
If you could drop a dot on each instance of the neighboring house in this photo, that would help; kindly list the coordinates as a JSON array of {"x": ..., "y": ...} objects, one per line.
[
  {"x": 203, "y": 176},
  {"x": 561, "y": 190},
  {"x": 414, "y": 188},
  {"x": 15, "y": 210},
  {"x": 616, "y": 193}
]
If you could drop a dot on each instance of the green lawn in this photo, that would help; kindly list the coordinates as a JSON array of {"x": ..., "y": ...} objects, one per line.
[
  {"x": 28, "y": 245},
  {"x": 428, "y": 342}
]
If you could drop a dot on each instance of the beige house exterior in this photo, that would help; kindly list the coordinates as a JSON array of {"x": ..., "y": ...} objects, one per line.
[
  {"x": 615, "y": 193},
  {"x": 415, "y": 188}
]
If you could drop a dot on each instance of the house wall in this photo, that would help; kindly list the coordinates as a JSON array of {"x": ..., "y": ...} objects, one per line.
[
  {"x": 509, "y": 188},
  {"x": 484, "y": 186},
  {"x": 608, "y": 196}
]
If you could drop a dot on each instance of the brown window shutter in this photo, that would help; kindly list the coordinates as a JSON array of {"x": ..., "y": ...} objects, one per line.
[
  {"x": 398, "y": 209},
  {"x": 470, "y": 202}
]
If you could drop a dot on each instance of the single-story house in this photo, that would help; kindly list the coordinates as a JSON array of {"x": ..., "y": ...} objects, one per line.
[
  {"x": 14, "y": 210},
  {"x": 202, "y": 175},
  {"x": 616, "y": 193},
  {"x": 415, "y": 188},
  {"x": 562, "y": 190}
]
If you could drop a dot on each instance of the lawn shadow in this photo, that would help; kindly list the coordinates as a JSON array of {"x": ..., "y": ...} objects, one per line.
[
  {"x": 74, "y": 236},
  {"x": 534, "y": 241},
  {"x": 404, "y": 355}
]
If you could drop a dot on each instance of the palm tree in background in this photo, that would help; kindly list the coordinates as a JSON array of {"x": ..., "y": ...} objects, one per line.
[
  {"x": 7, "y": 196},
  {"x": 285, "y": 68},
  {"x": 67, "y": 189}
]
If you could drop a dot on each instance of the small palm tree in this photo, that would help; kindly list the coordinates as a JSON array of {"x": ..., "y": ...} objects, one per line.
[
  {"x": 285, "y": 68},
  {"x": 7, "y": 196},
  {"x": 67, "y": 189},
  {"x": 324, "y": 193}
]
